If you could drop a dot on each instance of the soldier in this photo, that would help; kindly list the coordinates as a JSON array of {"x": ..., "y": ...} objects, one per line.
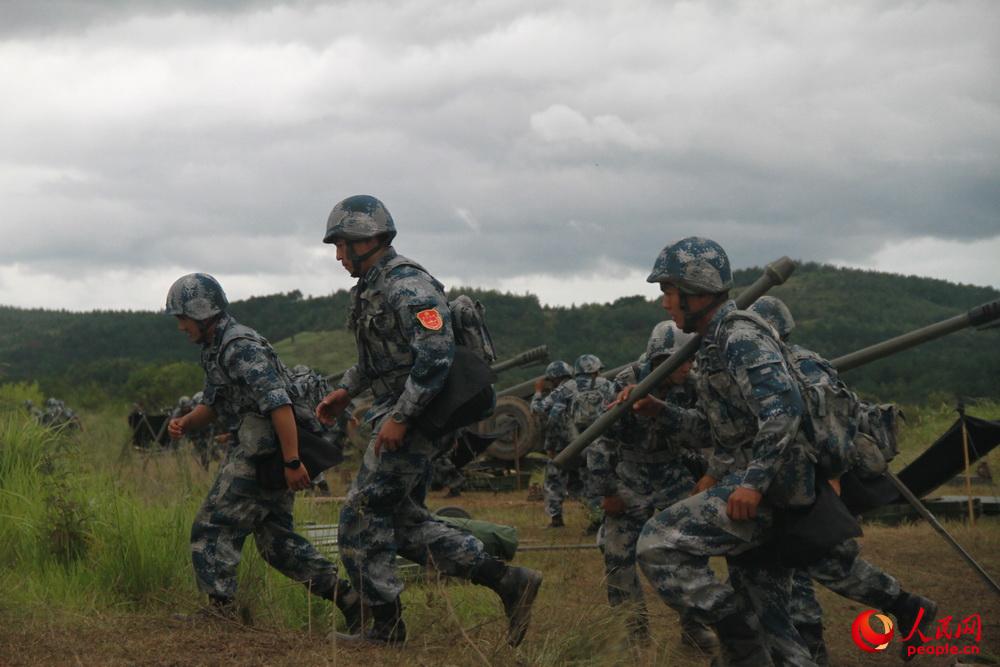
[
  {"x": 751, "y": 406},
  {"x": 640, "y": 468},
  {"x": 248, "y": 387},
  {"x": 556, "y": 482},
  {"x": 402, "y": 325},
  {"x": 571, "y": 408}
]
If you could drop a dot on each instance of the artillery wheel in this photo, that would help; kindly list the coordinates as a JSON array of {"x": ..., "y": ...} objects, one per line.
[
  {"x": 516, "y": 426},
  {"x": 359, "y": 434}
]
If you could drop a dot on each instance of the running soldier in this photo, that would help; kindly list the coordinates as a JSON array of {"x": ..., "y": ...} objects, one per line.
[
  {"x": 248, "y": 387},
  {"x": 751, "y": 407},
  {"x": 639, "y": 468},
  {"x": 402, "y": 325},
  {"x": 556, "y": 483}
]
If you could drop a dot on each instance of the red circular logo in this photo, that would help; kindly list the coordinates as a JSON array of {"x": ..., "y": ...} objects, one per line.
[{"x": 868, "y": 638}]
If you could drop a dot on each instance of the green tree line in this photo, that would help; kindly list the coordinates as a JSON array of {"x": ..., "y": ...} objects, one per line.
[{"x": 113, "y": 354}]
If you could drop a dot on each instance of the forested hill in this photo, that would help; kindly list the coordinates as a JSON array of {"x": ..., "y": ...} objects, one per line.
[{"x": 838, "y": 311}]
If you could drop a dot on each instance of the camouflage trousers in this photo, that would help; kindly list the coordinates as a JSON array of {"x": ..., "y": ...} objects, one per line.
[
  {"x": 384, "y": 515},
  {"x": 674, "y": 550},
  {"x": 560, "y": 484},
  {"x": 655, "y": 487},
  {"x": 446, "y": 474},
  {"x": 236, "y": 506}
]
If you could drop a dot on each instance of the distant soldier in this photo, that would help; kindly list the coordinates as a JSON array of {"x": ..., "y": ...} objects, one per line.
[
  {"x": 406, "y": 347},
  {"x": 639, "y": 468},
  {"x": 750, "y": 405},
  {"x": 251, "y": 390},
  {"x": 556, "y": 483}
]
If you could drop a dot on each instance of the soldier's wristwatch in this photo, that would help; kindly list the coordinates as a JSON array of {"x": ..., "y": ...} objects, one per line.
[
  {"x": 294, "y": 464},
  {"x": 398, "y": 417}
]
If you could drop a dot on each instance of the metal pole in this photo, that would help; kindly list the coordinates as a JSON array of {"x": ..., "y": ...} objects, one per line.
[
  {"x": 775, "y": 273},
  {"x": 929, "y": 518},
  {"x": 965, "y": 453}
]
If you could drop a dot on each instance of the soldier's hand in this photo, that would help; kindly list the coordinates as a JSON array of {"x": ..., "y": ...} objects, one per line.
[
  {"x": 390, "y": 436},
  {"x": 613, "y": 505},
  {"x": 622, "y": 395},
  {"x": 176, "y": 428},
  {"x": 706, "y": 482},
  {"x": 540, "y": 385},
  {"x": 332, "y": 405},
  {"x": 649, "y": 406},
  {"x": 297, "y": 479},
  {"x": 743, "y": 504}
]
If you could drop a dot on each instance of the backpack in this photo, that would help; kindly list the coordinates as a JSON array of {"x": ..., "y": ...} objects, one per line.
[
  {"x": 468, "y": 322},
  {"x": 876, "y": 442},
  {"x": 585, "y": 407},
  {"x": 830, "y": 419}
]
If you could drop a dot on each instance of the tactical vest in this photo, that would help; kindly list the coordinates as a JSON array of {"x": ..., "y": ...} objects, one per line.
[{"x": 384, "y": 354}]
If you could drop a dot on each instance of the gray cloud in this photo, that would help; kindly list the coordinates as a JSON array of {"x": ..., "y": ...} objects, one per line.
[{"x": 507, "y": 140}]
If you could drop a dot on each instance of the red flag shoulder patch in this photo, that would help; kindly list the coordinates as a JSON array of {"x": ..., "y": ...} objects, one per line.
[{"x": 430, "y": 319}]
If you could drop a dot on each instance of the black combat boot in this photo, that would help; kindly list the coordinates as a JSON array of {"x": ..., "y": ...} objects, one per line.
[
  {"x": 517, "y": 588},
  {"x": 906, "y": 608},
  {"x": 388, "y": 628},
  {"x": 697, "y": 635},
  {"x": 556, "y": 522},
  {"x": 812, "y": 635},
  {"x": 349, "y": 603},
  {"x": 741, "y": 643}
]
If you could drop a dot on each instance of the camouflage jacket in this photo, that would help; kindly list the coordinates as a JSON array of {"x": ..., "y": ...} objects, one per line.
[
  {"x": 243, "y": 374},
  {"x": 636, "y": 448},
  {"x": 748, "y": 404},
  {"x": 402, "y": 326}
]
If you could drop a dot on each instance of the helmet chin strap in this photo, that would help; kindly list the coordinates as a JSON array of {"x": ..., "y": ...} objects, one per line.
[
  {"x": 205, "y": 325},
  {"x": 357, "y": 260},
  {"x": 692, "y": 318}
]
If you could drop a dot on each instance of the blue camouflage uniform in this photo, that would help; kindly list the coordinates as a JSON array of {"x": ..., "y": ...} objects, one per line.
[
  {"x": 750, "y": 409},
  {"x": 244, "y": 382},
  {"x": 648, "y": 467},
  {"x": 404, "y": 356},
  {"x": 561, "y": 483}
]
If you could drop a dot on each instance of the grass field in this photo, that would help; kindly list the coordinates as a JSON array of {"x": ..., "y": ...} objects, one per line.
[{"x": 94, "y": 562}]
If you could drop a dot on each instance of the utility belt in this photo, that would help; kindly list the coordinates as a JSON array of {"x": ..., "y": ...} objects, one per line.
[{"x": 635, "y": 456}]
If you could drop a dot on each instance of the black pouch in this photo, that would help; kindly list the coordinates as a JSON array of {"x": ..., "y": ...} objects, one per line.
[
  {"x": 466, "y": 398},
  {"x": 803, "y": 535},
  {"x": 317, "y": 454}
]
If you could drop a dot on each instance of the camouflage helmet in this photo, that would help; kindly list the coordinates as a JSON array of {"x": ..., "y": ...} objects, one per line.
[
  {"x": 358, "y": 218},
  {"x": 198, "y": 296},
  {"x": 558, "y": 370},
  {"x": 665, "y": 339},
  {"x": 198, "y": 398},
  {"x": 185, "y": 403},
  {"x": 587, "y": 364},
  {"x": 774, "y": 311},
  {"x": 695, "y": 265}
]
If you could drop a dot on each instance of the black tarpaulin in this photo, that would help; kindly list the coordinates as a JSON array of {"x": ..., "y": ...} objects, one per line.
[{"x": 945, "y": 458}]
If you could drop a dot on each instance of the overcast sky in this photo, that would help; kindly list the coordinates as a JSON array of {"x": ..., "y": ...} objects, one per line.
[{"x": 549, "y": 150}]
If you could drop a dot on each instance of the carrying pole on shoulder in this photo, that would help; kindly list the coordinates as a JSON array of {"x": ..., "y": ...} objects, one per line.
[{"x": 775, "y": 273}]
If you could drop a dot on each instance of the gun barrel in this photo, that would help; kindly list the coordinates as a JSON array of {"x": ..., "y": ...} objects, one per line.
[
  {"x": 977, "y": 316},
  {"x": 775, "y": 274},
  {"x": 535, "y": 355}
]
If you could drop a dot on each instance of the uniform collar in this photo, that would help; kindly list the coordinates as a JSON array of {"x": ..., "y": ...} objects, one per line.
[
  {"x": 221, "y": 325},
  {"x": 713, "y": 325},
  {"x": 374, "y": 272}
]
